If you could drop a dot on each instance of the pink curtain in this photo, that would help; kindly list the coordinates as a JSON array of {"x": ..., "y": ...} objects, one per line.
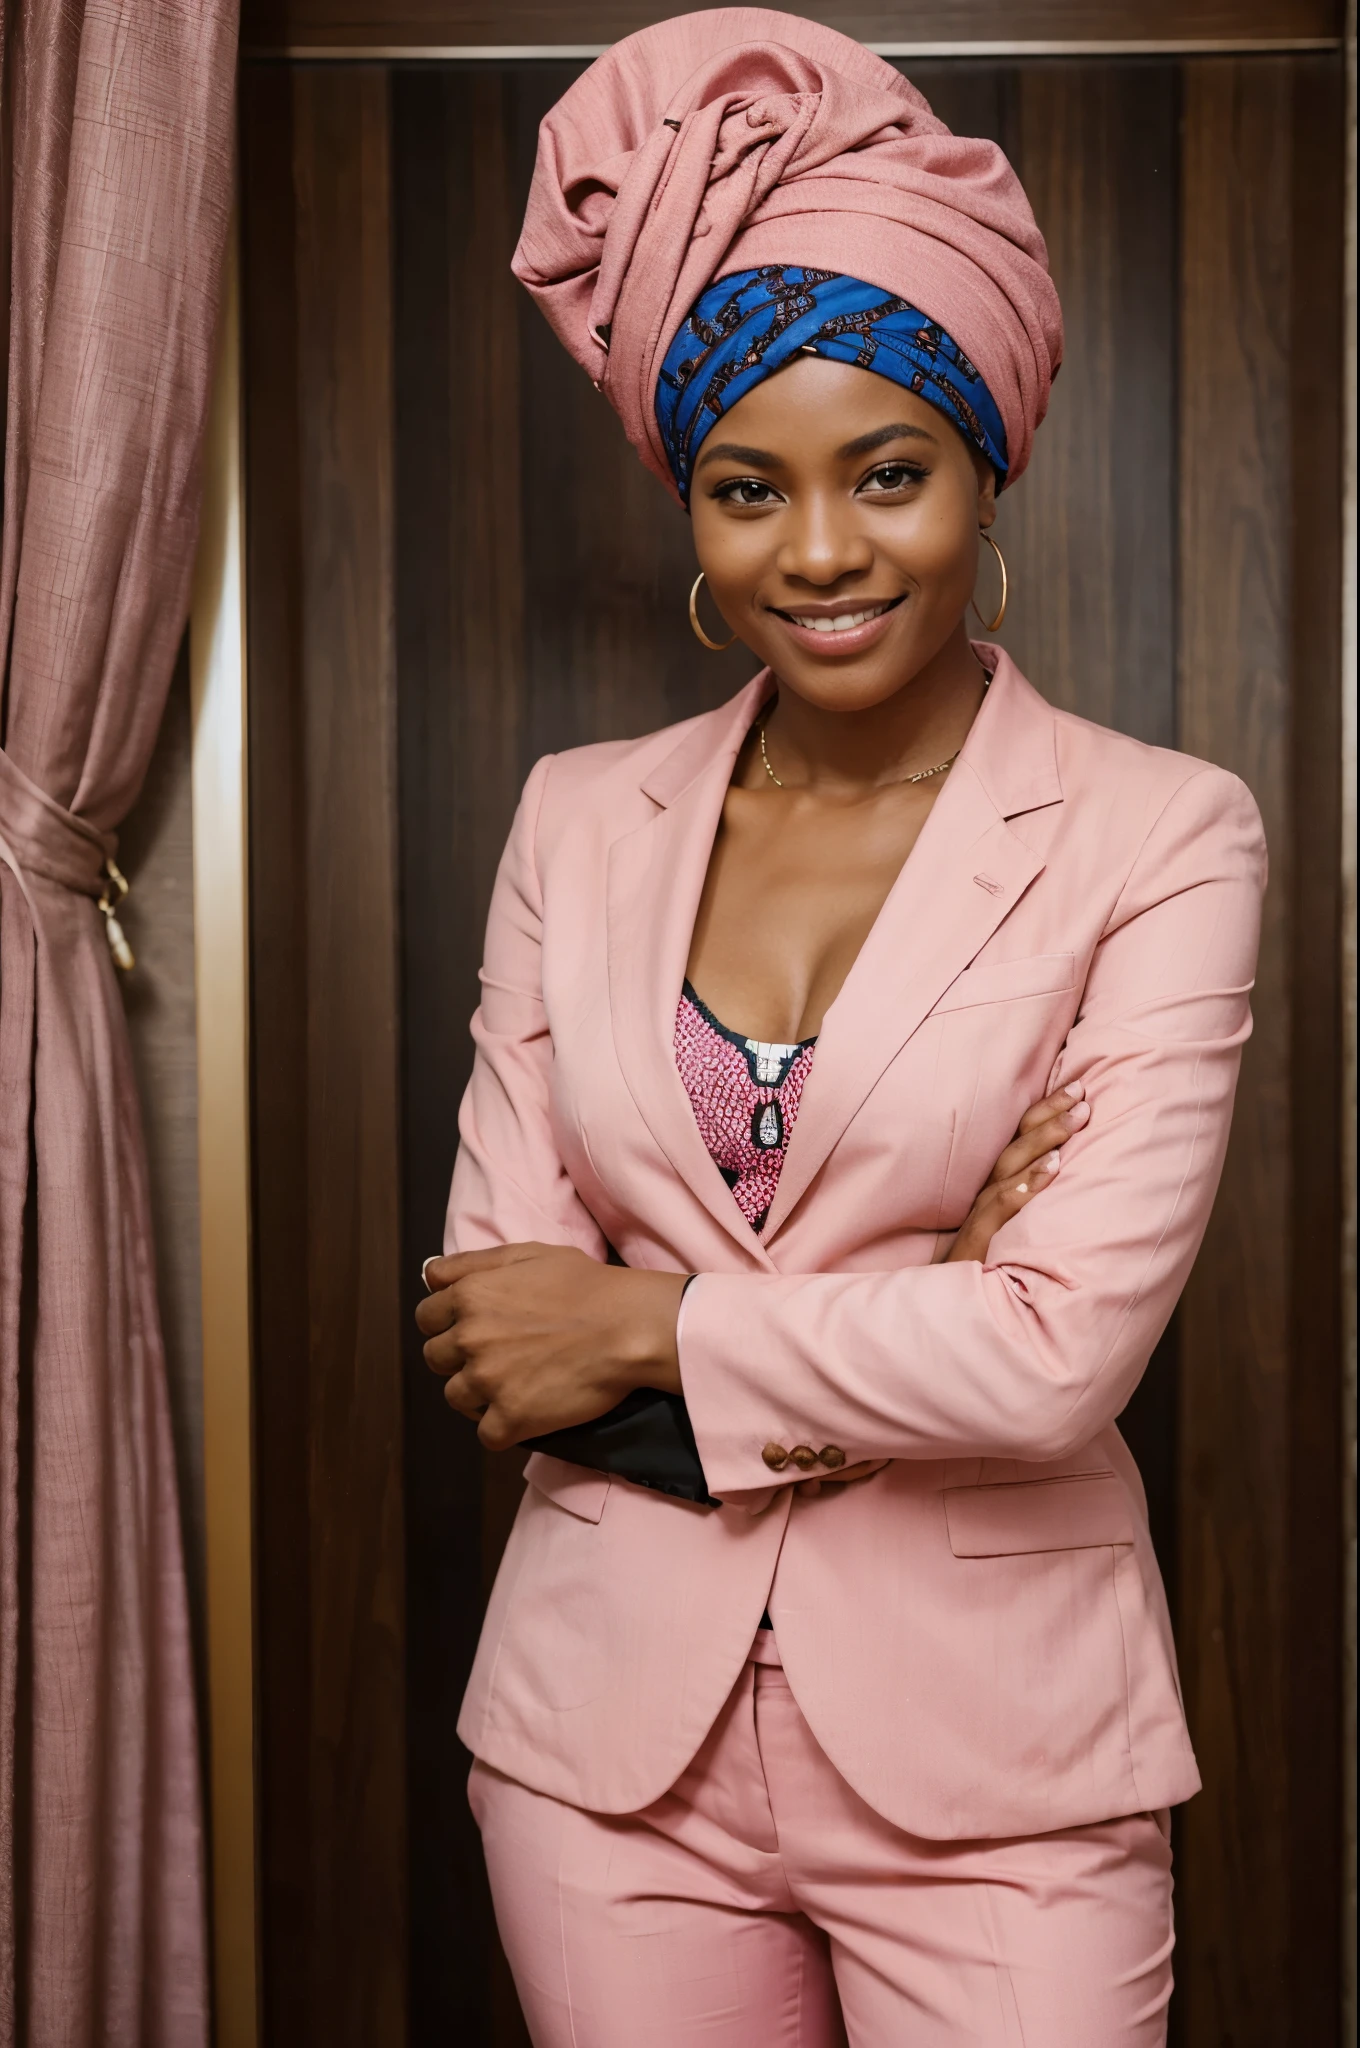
[{"x": 121, "y": 145}]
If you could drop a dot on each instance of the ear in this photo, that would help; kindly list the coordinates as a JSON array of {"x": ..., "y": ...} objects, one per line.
[{"x": 986, "y": 478}]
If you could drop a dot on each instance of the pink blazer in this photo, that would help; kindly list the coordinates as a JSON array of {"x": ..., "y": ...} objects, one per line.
[{"x": 978, "y": 1634}]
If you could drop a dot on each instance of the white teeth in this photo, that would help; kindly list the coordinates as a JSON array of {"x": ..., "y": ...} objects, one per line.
[{"x": 843, "y": 621}]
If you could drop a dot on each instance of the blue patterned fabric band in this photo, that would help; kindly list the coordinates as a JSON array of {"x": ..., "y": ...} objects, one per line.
[{"x": 748, "y": 325}]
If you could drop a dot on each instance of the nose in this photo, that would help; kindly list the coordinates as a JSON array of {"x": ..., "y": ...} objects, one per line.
[{"x": 824, "y": 542}]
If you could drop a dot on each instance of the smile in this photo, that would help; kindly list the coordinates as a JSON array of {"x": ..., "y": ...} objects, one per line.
[{"x": 839, "y": 622}]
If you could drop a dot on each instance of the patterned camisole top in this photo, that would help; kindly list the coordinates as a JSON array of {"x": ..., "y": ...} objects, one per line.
[{"x": 745, "y": 1095}]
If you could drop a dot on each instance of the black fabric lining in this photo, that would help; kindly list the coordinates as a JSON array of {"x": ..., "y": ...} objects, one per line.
[{"x": 740, "y": 1040}]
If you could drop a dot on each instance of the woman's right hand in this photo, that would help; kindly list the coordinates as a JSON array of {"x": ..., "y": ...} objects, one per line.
[{"x": 1026, "y": 1167}]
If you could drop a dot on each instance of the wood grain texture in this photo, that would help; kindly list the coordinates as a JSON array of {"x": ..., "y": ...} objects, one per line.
[
  {"x": 460, "y": 668},
  {"x": 279, "y": 1045},
  {"x": 1317, "y": 1473},
  {"x": 280, "y": 24},
  {"x": 1092, "y": 524},
  {"x": 326, "y": 1082},
  {"x": 341, "y": 171},
  {"x": 279, "y": 996},
  {"x": 1235, "y": 709}
]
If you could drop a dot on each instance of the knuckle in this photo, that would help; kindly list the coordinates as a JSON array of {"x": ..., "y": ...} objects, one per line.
[{"x": 472, "y": 1334}]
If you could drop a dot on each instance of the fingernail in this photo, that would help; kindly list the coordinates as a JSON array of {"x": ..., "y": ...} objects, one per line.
[
  {"x": 1075, "y": 1090},
  {"x": 1075, "y": 1117},
  {"x": 1052, "y": 1163},
  {"x": 1022, "y": 1187}
]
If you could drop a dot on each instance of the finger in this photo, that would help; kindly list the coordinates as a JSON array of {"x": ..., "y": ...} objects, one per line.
[
  {"x": 495, "y": 1433},
  {"x": 426, "y": 1264},
  {"x": 1053, "y": 1105},
  {"x": 444, "y": 1353},
  {"x": 997, "y": 1204},
  {"x": 464, "y": 1398},
  {"x": 1044, "y": 1137},
  {"x": 437, "y": 1313},
  {"x": 1010, "y": 1196},
  {"x": 444, "y": 1271}
]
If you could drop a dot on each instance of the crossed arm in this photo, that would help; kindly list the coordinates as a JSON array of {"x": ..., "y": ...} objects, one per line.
[
  {"x": 536, "y": 1337},
  {"x": 1045, "y": 1340}
]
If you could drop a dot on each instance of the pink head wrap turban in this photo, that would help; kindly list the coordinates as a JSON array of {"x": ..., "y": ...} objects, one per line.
[{"x": 738, "y": 137}]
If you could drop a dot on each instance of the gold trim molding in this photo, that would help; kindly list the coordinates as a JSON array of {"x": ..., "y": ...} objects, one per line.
[{"x": 217, "y": 660}]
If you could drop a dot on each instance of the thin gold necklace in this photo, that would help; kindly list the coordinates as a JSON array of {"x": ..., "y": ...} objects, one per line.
[{"x": 921, "y": 775}]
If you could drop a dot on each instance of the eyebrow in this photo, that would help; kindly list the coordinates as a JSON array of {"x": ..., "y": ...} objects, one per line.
[
  {"x": 731, "y": 451},
  {"x": 866, "y": 443},
  {"x": 761, "y": 458}
]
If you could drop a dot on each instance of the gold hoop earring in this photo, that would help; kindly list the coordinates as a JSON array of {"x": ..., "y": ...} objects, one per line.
[
  {"x": 990, "y": 625},
  {"x": 714, "y": 646}
]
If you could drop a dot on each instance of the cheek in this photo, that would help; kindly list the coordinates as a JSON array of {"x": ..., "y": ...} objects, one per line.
[
  {"x": 936, "y": 551},
  {"x": 733, "y": 556}
]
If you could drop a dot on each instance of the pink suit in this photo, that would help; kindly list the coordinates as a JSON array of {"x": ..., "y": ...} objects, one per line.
[{"x": 976, "y": 1637}]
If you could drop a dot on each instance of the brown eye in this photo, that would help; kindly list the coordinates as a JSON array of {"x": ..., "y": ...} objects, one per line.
[
  {"x": 745, "y": 490},
  {"x": 894, "y": 476}
]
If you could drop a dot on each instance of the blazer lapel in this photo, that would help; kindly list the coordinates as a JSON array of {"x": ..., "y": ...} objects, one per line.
[
  {"x": 965, "y": 875},
  {"x": 656, "y": 877}
]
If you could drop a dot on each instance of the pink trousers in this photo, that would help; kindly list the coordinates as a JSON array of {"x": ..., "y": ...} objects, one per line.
[{"x": 761, "y": 1904}]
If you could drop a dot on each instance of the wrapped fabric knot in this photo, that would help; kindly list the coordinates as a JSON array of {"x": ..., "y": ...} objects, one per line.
[{"x": 739, "y": 139}]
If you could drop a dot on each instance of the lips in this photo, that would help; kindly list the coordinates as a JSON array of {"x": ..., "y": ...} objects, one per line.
[
  {"x": 843, "y": 622},
  {"x": 840, "y": 632}
]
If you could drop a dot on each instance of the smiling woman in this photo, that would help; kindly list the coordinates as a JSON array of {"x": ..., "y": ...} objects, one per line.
[
  {"x": 886, "y": 522},
  {"x": 839, "y": 541},
  {"x": 789, "y": 1014}
]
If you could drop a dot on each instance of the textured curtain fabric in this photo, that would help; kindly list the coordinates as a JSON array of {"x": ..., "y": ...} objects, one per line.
[{"x": 120, "y": 144}]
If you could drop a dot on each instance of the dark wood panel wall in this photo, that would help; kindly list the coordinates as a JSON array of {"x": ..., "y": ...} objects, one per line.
[
  {"x": 327, "y": 1137},
  {"x": 1259, "y": 614},
  {"x": 296, "y": 24},
  {"x": 456, "y": 564}
]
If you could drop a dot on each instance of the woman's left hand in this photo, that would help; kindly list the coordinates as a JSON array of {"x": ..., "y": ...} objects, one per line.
[{"x": 537, "y": 1337}]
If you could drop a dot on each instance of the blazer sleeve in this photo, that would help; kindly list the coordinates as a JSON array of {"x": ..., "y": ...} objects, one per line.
[
  {"x": 509, "y": 1183},
  {"x": 1030, "y": 1355}
]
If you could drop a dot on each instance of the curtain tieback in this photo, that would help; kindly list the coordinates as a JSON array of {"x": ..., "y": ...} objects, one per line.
[{"x": 39, "y": 836}]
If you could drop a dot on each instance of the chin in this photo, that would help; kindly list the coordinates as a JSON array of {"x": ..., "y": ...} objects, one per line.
[{"x": 847, "y": 685}]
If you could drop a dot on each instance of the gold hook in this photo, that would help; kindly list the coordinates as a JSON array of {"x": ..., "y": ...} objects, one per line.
[{"x": 118, "y": 945}]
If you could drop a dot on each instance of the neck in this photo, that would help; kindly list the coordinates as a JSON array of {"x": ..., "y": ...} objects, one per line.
[{"x": 848, "y": 752}]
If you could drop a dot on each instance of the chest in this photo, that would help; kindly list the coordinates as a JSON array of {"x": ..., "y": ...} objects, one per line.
[
  {"x": 953, "y": 1014},
  {"x": 792, "y": 890}
]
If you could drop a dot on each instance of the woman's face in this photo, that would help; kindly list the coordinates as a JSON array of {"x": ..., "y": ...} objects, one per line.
[{"x": 836, "y": 521}]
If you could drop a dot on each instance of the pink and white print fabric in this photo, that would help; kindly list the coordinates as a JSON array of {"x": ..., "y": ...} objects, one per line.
[{"x": 745, "y": 1094}]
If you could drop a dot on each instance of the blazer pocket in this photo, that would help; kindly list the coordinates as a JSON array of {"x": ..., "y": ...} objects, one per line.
[
  {"x": 1041, "y": 1514},
  {"x": 1008, "y": 981},
  {"x": 573, "y": 1487}
]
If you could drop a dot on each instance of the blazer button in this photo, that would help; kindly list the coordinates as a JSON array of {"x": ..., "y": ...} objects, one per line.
[
  {"x": 775, "y": 1456},
  {"x": 833, "y": 1457},
  {"x": 803, "y": 1456}
]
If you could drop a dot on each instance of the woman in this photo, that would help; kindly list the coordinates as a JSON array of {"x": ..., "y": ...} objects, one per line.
[{"x": 765, "y": 996}]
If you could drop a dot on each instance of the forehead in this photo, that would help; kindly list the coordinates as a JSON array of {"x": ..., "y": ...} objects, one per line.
[{"x": 812, "y": 407}]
